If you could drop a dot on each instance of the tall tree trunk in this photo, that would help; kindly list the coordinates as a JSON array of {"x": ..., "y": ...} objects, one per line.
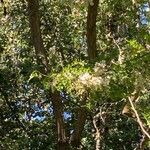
[
  {"x": 76, "y": 136},
  {"x": 63, "y": 143},
  {"x": 34, "y": 21},
  {"x": 92, "y": 53},
  {"x": 91, "y": 29},
  {"x": 41, "y": 56}
]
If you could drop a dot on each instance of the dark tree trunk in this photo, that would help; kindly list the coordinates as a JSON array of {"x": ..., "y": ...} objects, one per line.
[
  {"x": 91, "y": 30},
  {"x": 63, "y": 143},
  {"x": 41, "y": 56},
  {"x": 34, "y": 21},
  {"x": 76, "y": 136}
]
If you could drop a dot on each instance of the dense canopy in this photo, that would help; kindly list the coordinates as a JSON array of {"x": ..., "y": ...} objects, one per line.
[{"x": 74, "y": 75}]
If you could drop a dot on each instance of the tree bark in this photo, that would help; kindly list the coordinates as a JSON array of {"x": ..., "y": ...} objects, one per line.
[
  {"x": 34, "y": 22},
  {"x": 42, "y": 60},
  {"x": 76, "y": 136},
  {"x": 63, "y": 143},
  {"x": 91, "y": 29}
]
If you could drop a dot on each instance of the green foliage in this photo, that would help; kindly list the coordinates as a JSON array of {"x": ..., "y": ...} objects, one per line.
[
  {"x": 121, "y": 67},
  {"x": 68, "y": 77},
  {"x": 143, "y": 106}
]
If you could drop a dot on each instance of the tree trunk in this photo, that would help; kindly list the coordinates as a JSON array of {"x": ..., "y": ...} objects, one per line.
[
  {"x": 34, "y": 21},
  {"x": 41, "y": 56},
  {"x": 91, "y": 30},
  {"x": 63, "y": 143},
  {"x": 76, "y": 136}
]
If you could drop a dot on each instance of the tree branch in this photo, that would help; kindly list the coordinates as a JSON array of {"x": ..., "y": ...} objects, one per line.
[{"x": 138, "y": 118}]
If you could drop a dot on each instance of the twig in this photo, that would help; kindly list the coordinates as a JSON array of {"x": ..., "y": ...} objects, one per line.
[
  {"x": 120, "y": 57},
  {"x": 97, "y": 134},
  {"x": 138, "y": 118}
]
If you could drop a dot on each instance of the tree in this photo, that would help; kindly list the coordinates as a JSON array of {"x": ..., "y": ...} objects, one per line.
[
  {"x": 68, "y": 71},
  {"x": 34, "y": 19}
]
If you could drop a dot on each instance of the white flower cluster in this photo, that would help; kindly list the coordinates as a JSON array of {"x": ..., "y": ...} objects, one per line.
[
  {"x": 87, "y": 79},
  {"x": 97, "y": 79}
]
